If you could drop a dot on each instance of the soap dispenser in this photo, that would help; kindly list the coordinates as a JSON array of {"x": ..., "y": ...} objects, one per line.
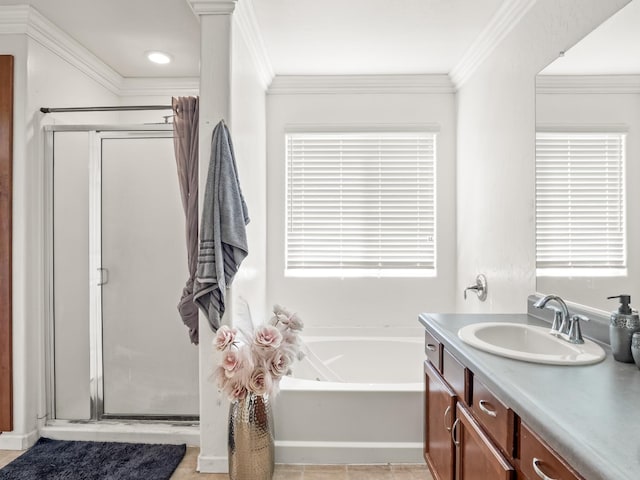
[{"x": 624, "y": 322}]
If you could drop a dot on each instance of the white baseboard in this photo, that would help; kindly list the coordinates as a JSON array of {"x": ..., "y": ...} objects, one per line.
[
  {"x": 211, "y": 464},
  {"x": 18, "y": 441},
  {"x": 119, "y": 432},
  {"x": 320, "y": 453}
]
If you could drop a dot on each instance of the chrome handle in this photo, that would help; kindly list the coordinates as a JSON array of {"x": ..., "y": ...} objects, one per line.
[
  {"x": 446, "y": 412},
  {"x": 431, "y": 347},
  {"x": 540, "y": 473},
  {"x": 482, "y": 404},
  {"x": 558, "y": 318},
  {"x": 453, "y": 432},
  {"x": 480, "y": 288},
  {"x": 104, "y": 276},
  {"x": 472, "y": 287},
  {"x": 575, "y": 333}
]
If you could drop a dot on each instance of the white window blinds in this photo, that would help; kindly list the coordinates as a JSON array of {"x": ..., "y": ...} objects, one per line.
[
  {"x": 360, "y": 204},
  {"x": 580, "y": 201}
]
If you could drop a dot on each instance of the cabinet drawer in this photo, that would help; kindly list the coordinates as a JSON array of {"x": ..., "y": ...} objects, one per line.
[
  {"x": 455, "y": 374},
  {"x": 538, "y": 460},
  {"x": 494, "y": 416},
  {"x": 479, "y": 458},
  {"x": 433, "y": 349}
]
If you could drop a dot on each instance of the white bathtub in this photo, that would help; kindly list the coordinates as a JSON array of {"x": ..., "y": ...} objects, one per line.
[{"x": 366, "y": 407}]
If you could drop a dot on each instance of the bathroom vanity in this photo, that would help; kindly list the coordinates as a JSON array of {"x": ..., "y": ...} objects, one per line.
[{"x": 490, "y": 417}]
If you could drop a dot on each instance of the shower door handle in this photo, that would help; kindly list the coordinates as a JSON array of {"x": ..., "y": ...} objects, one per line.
[{"x": 104, "y": 276}]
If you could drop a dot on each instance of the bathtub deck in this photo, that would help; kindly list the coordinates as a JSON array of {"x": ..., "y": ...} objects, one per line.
[{"x": 187, "y": 470}]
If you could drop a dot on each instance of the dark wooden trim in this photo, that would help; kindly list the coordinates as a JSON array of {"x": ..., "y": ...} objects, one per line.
[{"x": 6, "y": 202}]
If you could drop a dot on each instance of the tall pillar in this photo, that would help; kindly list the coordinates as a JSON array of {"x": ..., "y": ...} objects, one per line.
[{"x": 216, "y": 19}]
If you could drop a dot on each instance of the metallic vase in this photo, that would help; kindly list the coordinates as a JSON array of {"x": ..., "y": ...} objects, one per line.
[
  {"x": 251, "y": 441},
  {"x": 635, "y": 348}
]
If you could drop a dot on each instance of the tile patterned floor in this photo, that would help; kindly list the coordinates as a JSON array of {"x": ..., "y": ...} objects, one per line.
[{"x": 187, "y": 470}]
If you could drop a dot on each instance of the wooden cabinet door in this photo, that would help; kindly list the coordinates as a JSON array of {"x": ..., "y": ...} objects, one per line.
[
  {"x": 479, "y": 457},
  {"x": 6, "y": 195},
  {"x": 440, "y": 412}
]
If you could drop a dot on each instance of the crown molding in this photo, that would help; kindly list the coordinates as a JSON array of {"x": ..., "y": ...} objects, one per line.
[
  {"x": 573, "y": 84},
  {"x": 160, "y": 86},
  {"x": 248, "y": 26},
  {"x": 212, "y": 7},
  {"x": 25, "y": 20},
  {"x": 507, "y": 17},
  {"x": 332, "y": 84}
]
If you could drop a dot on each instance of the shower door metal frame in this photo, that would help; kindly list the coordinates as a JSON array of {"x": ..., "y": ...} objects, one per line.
[{"x": 96, "y": 133}]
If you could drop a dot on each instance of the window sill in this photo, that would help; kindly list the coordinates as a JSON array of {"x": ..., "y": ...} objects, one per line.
[
  {"x": 359, "y": 273},
  {"x": 581, "y": 272}
]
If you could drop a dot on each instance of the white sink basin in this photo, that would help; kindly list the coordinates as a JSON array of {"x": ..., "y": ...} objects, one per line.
[{"x": 529, "y": 343}]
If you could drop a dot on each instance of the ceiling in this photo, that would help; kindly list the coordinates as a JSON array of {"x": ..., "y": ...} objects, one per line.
[
  {"x": 327, "y": 37},
  {"x": 300, "y": 36},
  {"x": 311, "y": 37},
  {"x": 119, "y": 32}
]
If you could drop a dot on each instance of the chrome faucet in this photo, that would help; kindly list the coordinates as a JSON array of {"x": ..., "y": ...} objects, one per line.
[
  {"x": 561, "y": 318},
  {"x": 556, "y": 326},
  {"x": 575, "y": 333}
]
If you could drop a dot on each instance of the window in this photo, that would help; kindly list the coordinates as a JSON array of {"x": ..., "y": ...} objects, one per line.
[
  {"x": 360, "y": 204},
  {"x": 580, "y": 203}
]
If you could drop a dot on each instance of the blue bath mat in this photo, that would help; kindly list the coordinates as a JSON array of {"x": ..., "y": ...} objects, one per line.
[{"x": 63, "y": 460}]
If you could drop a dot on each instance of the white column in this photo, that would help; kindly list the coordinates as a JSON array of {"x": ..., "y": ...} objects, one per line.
[{"x": 215, "y": 104}]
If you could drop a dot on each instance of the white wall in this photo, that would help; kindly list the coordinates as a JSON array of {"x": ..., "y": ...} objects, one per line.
[
  {"x": 41, "y": 79},
  {"x": 248, "y": 131},
  {"x": 496, "y": 152},
  {"x": 240, "y": 100},
  {"x": 589, "y": 110},
  {"x": 357, "y": 302},
  {"x": 23, "y": 408}
]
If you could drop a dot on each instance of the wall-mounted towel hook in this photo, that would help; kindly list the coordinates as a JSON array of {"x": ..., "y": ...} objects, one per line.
[{"x": 480, "y": 288}]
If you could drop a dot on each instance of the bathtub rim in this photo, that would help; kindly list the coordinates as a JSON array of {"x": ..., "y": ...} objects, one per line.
[{"x": 293, "y": 384}]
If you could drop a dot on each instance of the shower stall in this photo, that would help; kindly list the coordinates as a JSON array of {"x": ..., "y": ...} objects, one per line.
[{"x": 116, "y": 346}]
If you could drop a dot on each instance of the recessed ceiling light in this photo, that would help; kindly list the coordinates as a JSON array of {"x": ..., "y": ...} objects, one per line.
[{"x": 159, "y": 57}]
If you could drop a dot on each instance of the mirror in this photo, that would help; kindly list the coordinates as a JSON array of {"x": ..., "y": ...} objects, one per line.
[{"x": 595, "y": 88}]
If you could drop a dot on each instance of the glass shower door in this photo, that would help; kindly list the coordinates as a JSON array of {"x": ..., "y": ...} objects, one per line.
[
  {"x": 116, "y": 254},
  {"x": 149, "y": 367}
]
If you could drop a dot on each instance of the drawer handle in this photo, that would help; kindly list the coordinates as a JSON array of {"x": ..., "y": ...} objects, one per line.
[
  {"x": 482, "y": 404},
  {"x": 446, "y": 412},
  {"x": 453, "y": 433},
  {"x": 431, "y": 347},
  {"x": 536, "y": 468}
]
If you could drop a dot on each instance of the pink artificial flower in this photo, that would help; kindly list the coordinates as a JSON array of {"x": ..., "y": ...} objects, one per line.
[
  {"x": 220, "y": 378},
  {"x": 267, "y": 336},
  {"x": 260, "y": 381},
  {"x": 293, "y": 322},
  {"x": 225, "y": 337},
  {"x": 258, "y": 366},
  {"x": 290, "y": 337},
  {"x": 279, "y": 363},
  {"x": 230, "y": 361},
  {"x": 236, "y": 391}
]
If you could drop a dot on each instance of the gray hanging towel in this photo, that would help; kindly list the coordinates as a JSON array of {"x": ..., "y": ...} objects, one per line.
[{"x": 223, "y": 238}]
